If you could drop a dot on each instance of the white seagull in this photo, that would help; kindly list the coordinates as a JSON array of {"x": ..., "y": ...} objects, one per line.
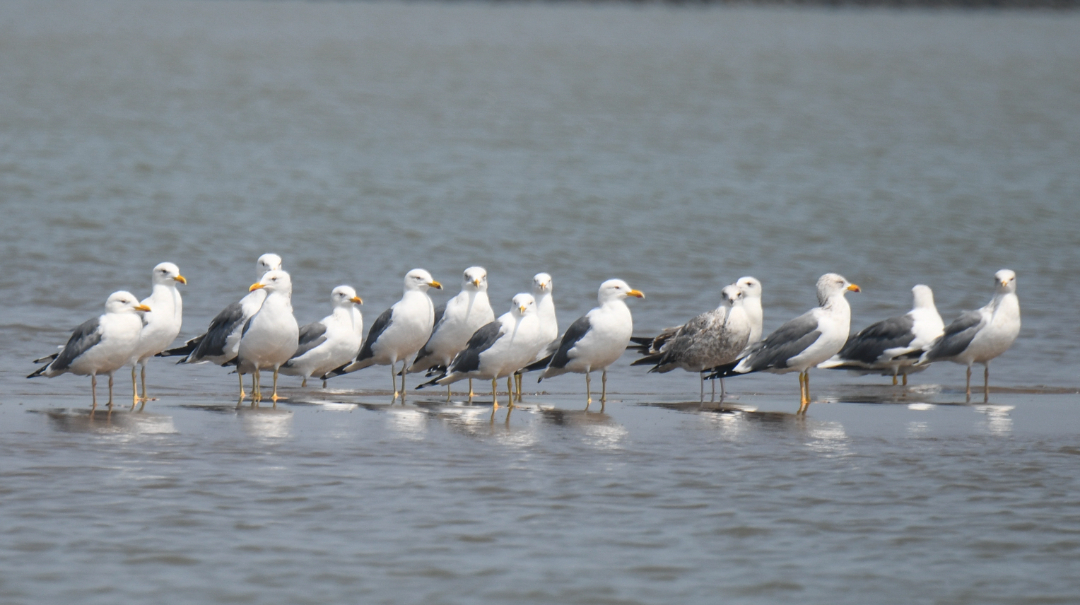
[
  {"x": 101, "y": 345},
  {"x": 499, "y": 348},
  {"x": 331, "y": 341},
  {"x": 162, "y": 325},
  {"x": 886, "y": 347},
  {"x": 595, "y": 340},
  {"x": 221, "y": 341},
  {"x": 751, "y": 303},
  {"x": 710, "y": 339},
  {"x": 455, "y": 321},
  {"x": 271, "y": 336},
  {"x": 400, "y": 331},
  {"x": 803, "y": 342},
  {"x": 981, "y": 335}
]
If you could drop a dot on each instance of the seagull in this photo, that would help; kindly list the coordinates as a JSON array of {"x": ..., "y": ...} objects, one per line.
[
  {"x": 331, "y": 341},
  {"x": 271, "y": 336},
  {"x": 499, "y": 348},
  {"x": 221, "y": 341},
  {"x": 981, "y": 335},
  {"x": 886, "y": 346},
  {"x": 101, "y": 345},
  {"x": 803, "y": 342},
  {"x": 710, "y": 339},
  {"x": 751, "y": 303},
  {"x": 162, "y": 325},
  {"x": 400, "y": 331},
  {"x": 549, "y": 323},
  {"x": 455, "y": 321},
  {"x": 595, "y": 340}
]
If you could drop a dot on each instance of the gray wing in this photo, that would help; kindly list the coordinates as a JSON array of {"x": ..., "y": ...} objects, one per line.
[
  {"x": 381, "y": 324},
  {"x": 468, "y": 360},
  {"x": 424, "y": 351},
  {"x": 82, "y": 340},
  {"x": 439, "y": 312},
  {"x": 958, "y": 335},
  {"x": 311, "y": 336},
  {"x": 786, "y": 342},
  {"x": 213, "y": 342},
  {"x": 574, "y": 333},
  {"x": 871, "y": 342}
]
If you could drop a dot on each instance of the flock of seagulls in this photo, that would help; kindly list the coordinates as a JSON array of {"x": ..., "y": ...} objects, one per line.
[{"x": 462, "y": 339}]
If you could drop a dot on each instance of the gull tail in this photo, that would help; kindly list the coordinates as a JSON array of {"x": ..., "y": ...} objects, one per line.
[
  {"x": 723, "y": 371},
  {"x": 540, "y": 364},
  {"x": 40, "y": 371},
  {"x": 184, "y": 350},
  {"x": 648, "y": 360},
  {"x": 47, "y": 358}
]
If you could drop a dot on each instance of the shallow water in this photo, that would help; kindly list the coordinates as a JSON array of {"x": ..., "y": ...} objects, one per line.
[{"x": 677, "y": 148}]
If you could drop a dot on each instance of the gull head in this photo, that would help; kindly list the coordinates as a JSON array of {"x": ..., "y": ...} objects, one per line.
[
  {"x": 523, "y": 304},
  {"x": 124, "y": 302},
  {"x": 924, "y": 297},
  {"x": 731, "y": 295},
  {"x": 419, "y": 279},
  {"x": 475, "y": 279},
  {"x": 274, "y": 281},
  {"x": 344, "y": 296},
  {"x": 541, "y": 284},
  {"x": 616, "y": 289},
  {"x": 267, "y": 262},
  {"x": 1006, "y": 281},
  {"x": 751, "y": 287},
  {"x": 832, "y": 284},
  {"x": 167, "y": 273}
]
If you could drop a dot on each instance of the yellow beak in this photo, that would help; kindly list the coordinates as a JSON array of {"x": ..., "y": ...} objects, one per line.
[
  {"x": 854, "y": 288},
  {"x": 636, "y": 294},
  {"x": 476, "y": 283},
  {"x": 181, "y": 279},
  {"x": 522, "y": 309},
  {"x": 357, "y": 300},
  {"x": 142, "y": 308},
  {"x": 435, "y": 284},
  {"x": 255, "y": 286}
]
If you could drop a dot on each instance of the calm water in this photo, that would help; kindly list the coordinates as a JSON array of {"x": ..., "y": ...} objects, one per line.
[{"x": 677, "y": 148}]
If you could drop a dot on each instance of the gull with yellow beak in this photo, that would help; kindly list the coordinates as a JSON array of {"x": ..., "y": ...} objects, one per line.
[
  {"x": 331, "y": 341},
  {"x": 499, "y": 348},
  {"x": 161, "y": 326},
  {"x": 455, "y": 321},
  {"x": 803, "y": 342},
  {"x": 399, "y": 332},
  {"x": 594, "y": 341},
  {"x": 271, "y": 336},
  {"x": 101, "y": 345}
]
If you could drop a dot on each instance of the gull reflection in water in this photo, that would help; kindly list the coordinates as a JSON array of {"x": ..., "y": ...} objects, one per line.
[
  {"x": 266, "y": 423},
  {"x": 410, "y": 423},
  {"x": 116, "y": 422},
  {"x": 600, "y": 430},
  {"x": 998, "y": 419}
]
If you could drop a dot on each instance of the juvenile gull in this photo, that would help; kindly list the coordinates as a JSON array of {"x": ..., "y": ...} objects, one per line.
[
  {"x": 596, "y": 340},
  {"x": 161, "y": 325},
  {"x": 710, "y": 339},
  {"x": 803, "y": 342},
  {"x": 981, "y": 335},
  {"x": 271, "y": 336},
  {"x": 400, "y": 331},
  {"x": 499, "y": 348},
  {"x": 455, "y": 321},
  {"x": 549, "y": 323},
  {"x": 101, "y": 345},
  {"x": 331, "y": 341},
  {"x": 885, "y": 347}
]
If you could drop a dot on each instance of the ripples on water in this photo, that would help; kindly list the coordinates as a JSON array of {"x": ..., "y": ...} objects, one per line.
[{"x": 676, "y": 148}]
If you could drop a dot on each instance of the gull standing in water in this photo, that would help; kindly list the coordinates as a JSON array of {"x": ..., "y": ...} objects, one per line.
[
  {"x": 270, "y": 337},
  {"x": 162, "y": 324},
  {"x": 455, "y": 321},
  {"x": 549, "y": 323},
  {"x": 981, "y": 335},
  {"x": 499, "y": 349},
  {"x": 399, "y": 332},
  {"x": 803, "y": 342},
  {"x": 885, "y": 347},
  {"x": 101, "y": 345},
  {"x": 221, "y": 341},
  {"x": 594, "y": 341},
  {"x": 710, "y": 339},
  {"x": 331, "y": 341}
]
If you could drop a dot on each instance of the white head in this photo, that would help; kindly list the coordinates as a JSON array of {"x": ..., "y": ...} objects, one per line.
[
  {"x": 1006, "y": 281},
  {"x": 267, "y": 262},
  {"x": 751, "y": 287},
  {"x": 345, "y": 296},
  {"x": 274, "y": 281},
  {"x": 124, "y": 302},
  {"x": 616, "y": 289},
  {"x": 419, "y": 279},
  {"x": 731, "y": 295},
  {"x": 167, "y": 273},
  {"x": 541, "y": 284},
  {"x": 475, "y": 278},
  {"x": 523, "y": 304},
  {"x": 924, "y": 297},
  {"x": 832, "y": 284}
]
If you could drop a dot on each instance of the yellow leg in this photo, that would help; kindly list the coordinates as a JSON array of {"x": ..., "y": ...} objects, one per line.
[
  {"x": 894, "y": 379},
  {"x": 242, "y": 393},
  {"x": 986, "y": 384},
  {"x": 304, "y": 382},
  {"x": 134, "y": 386},
  {"x": 905, "y": 378},
  {"x": 517, "y": 381},
  {"x": 142, "y": 374},
  {"x": 603, "y": 388},
  {"x": 274, "y": 397},
  {"x": 588, "y": 391},
  {"x": 256, "y": 388},
  {"x": 93, "y": 392},
  {"x": 471, "y": 394},
  {"x": 510, "y": 390},
  {"x": 110, "y": 391},
  {"x": 447, "y": 393},
  {"x": 393, "y": 381},
  {"x": 494, "y": 393},
  {"x": 404, "y": 365}
]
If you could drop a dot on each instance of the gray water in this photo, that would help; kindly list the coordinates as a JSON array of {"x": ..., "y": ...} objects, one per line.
[{"x": 676, "y": 148}]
